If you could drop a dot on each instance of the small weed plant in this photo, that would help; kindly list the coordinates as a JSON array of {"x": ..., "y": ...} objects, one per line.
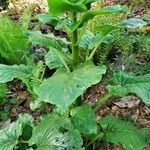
[{"x": 72, "y": 122}]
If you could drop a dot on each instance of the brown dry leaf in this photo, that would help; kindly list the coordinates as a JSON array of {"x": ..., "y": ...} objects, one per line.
[
  {"x": 128, "y": 102},
  {"x": 14, "y": 112},
  {"x": 143, "y": 122},
  {"x": 148, "y": 147},
  {"x": 23, "y": 96},
  {"x": 134, "y": 118},
  {"x": 104, "y": 111},
  {"x": 146, "y": 110}
]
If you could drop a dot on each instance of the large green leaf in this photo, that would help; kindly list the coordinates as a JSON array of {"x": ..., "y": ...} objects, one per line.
[
  {"x": 106, "y": 28},
  {"x": 133, "y": 23},
  {"x": 9, "y": 137},
  {"x": 124, "y": 133},
  {"x": 56, "y": 7},
  {"x": 47, "y": 18},
  {"x": 84, "y": 119},
  {"x": 48, "y": 40},
  {"x": 89, "y": 40},
  {"x": 96, "y": 40},
  {"x": 124, "y": 83},
  {"x": 102, "y": 32},
  {"x": 63, "y": 87},
  {"x": 10, "y": 134},
  {"x": 13, "y": 43},
  {"x": 56, "y": 133},
  {"x": 106, "y": 10},
  {"x": 8, "y": 73},
  {"x": 53, "y": 58}
]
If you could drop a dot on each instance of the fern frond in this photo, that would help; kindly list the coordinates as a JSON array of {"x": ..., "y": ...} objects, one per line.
[
  {"x": 37, "y": 72},
  {"x": 13, "y": 43},
  {"x": 25, "y": 18},
  {"x": 35, "y": 77}
]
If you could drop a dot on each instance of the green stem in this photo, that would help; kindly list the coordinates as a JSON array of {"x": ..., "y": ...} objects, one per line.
[
  {"x": 101, "y": 101},
  {"x": 94, "y": 50},
  {"x": 43, "y": 73},
  {"x": 74, "y": 40},
  {"x": 93, "y": 25},
  {"x": 99, "y": 136}
]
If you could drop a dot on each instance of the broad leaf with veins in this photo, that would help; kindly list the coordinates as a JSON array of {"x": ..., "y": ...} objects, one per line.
[
  {"x": 56, "y": 133},
  {"x": 125, "y": 83},
  {"x": 9, "y": 136},
  {"x": 63, "y": 88},
  {"x": 84, "y": 119},
  {"x": 121, "y": 132}
]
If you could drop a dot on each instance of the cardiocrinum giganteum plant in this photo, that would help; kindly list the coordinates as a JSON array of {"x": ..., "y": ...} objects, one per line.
[{"x": 72, "y": 58}]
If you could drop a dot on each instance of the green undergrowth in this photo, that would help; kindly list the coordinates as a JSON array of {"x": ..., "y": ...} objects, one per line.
[{"x": 72, "y": 124}]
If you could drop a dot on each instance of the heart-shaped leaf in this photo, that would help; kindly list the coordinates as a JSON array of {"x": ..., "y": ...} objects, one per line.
[
  {"x": 56, "y": 133},
  {"x": 125, "y": 83},
  {"x": 10, "y": 134},
  {"x": 84, "y": 119},
  {"x": 63, "y": 88},
  {"x": 124, "y": 133}
]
